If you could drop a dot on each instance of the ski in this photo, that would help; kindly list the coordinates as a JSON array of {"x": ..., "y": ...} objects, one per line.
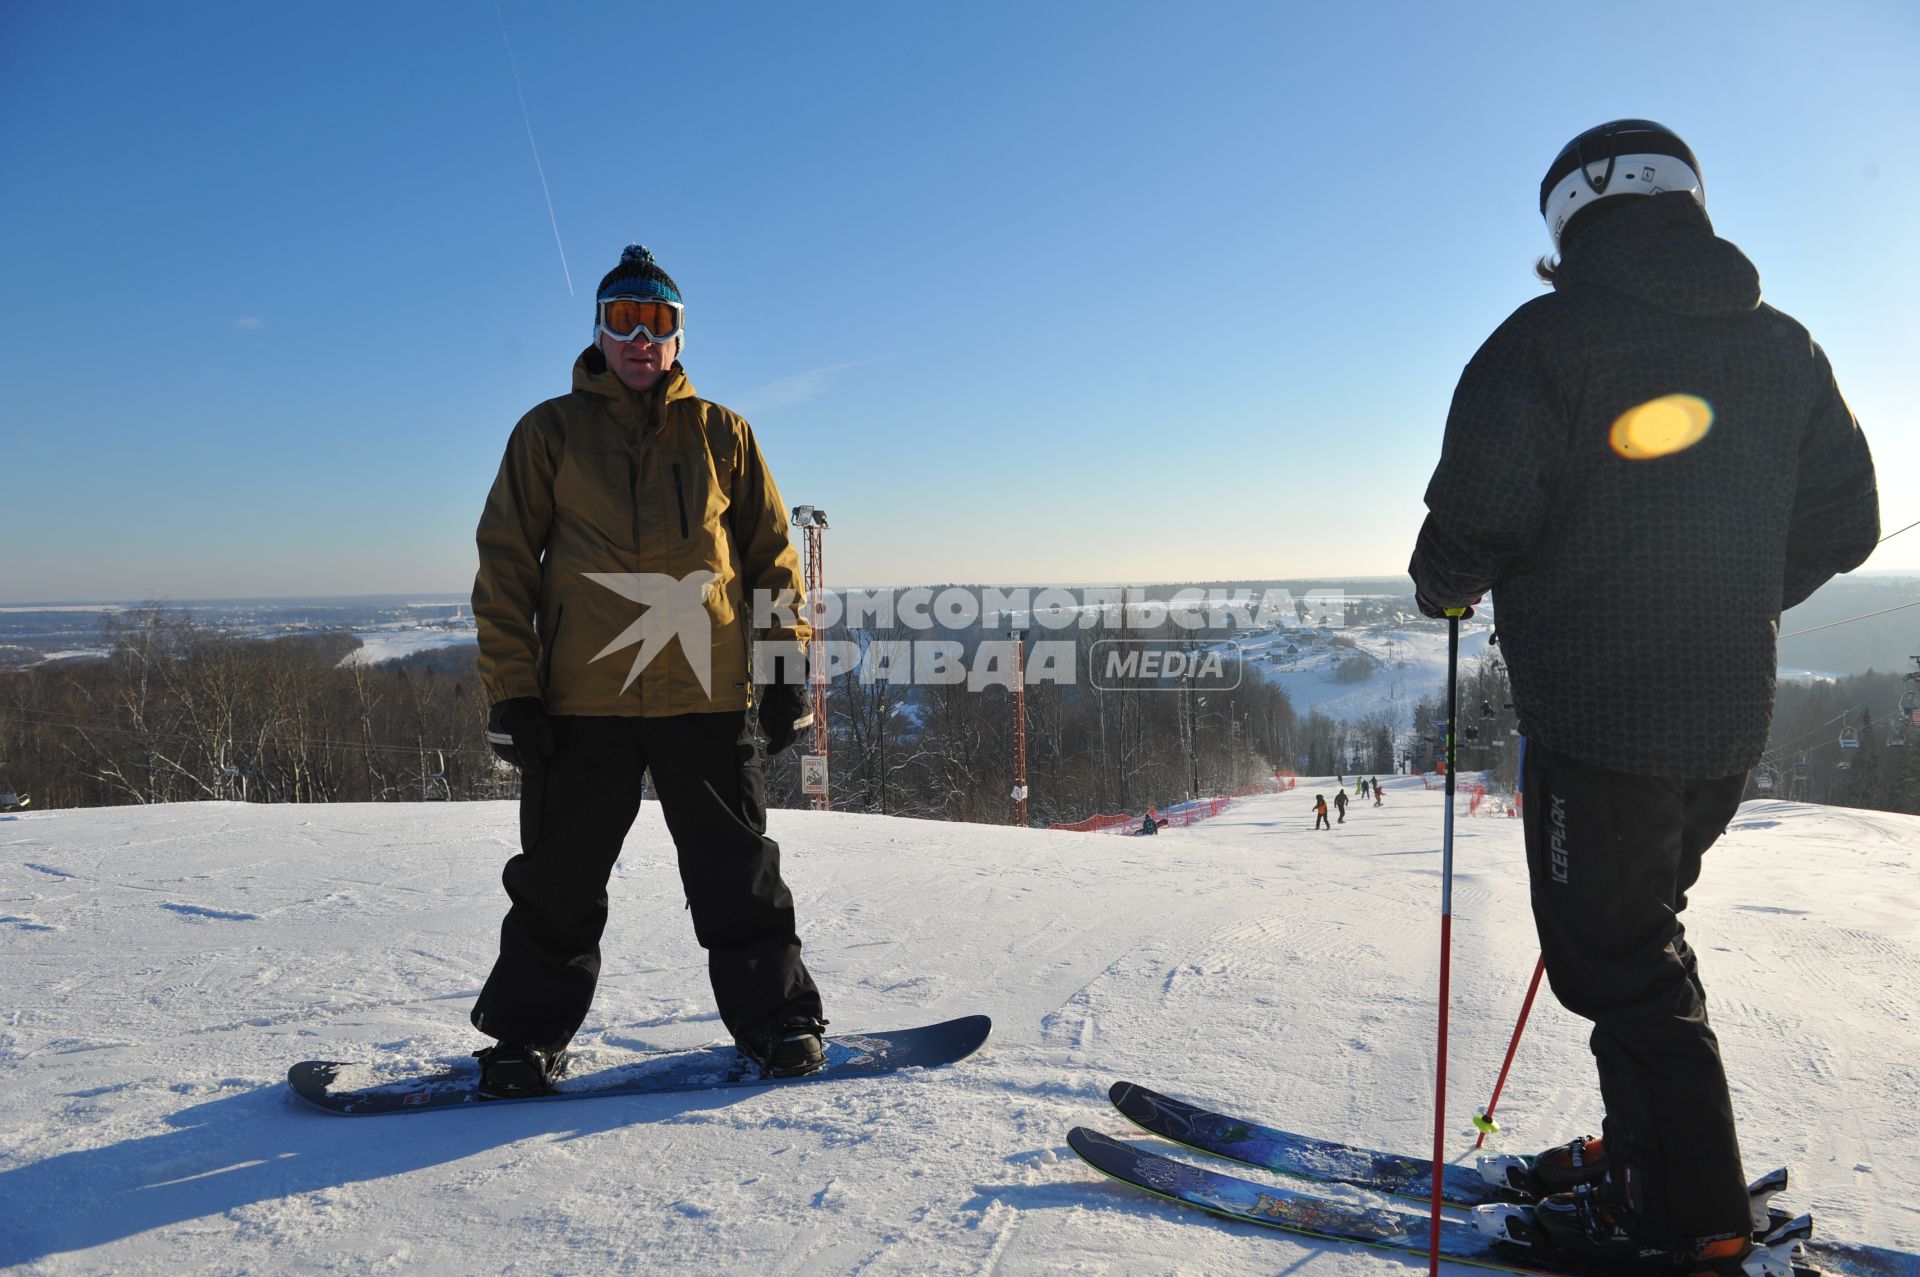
[
  {"x": 1300, "y": 1155},
  {"x": 361, "y": 1090},
  {"x": 1325, "y": 1161},
  {"x": 1310, "y": 1215}
]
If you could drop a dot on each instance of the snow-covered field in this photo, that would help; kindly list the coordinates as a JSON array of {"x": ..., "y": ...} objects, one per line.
[{"x": 163, "y": 966}]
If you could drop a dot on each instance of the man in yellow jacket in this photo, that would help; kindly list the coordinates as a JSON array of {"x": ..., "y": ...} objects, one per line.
[{"x": 631, "y": 530}]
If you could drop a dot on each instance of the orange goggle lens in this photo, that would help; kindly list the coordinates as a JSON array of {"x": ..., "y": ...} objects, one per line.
[{"x": 625, "y": 318}]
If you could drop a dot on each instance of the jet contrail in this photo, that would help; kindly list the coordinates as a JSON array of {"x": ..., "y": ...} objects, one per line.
[{"x": 528, "y": 121}]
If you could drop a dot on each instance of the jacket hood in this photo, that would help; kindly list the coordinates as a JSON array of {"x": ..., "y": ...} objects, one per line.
[
  {"x": 1662, "y": 251},
  {"x": 592, "y": 377}
]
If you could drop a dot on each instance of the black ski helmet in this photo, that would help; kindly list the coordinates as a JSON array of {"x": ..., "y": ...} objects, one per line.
[{"x": 1622, "y": 157}]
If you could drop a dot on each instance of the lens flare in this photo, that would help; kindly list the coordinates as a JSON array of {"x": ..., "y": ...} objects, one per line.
[{"x": 1661, "y": 427}]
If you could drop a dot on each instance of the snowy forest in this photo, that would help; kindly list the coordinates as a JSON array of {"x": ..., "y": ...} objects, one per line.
[{"x": 179, "y": 711}]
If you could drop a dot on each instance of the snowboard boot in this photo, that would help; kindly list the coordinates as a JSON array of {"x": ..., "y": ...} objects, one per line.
[
  {"x": 509, "y": 1073},
  {"x": 1592, "y": 1221},
  {"x": 790, "y": 1048},
  {"x": 1584, "y": 1161}
]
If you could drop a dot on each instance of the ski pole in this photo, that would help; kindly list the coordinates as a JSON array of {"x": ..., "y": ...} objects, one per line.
[
  {"x": 1446, "y": 938},
  {"x": 1485, "y": 1121}
]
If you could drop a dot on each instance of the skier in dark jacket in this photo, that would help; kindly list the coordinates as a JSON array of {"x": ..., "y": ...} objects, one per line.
[
  {"x": 1645, "y": 467},
  {"x": 1340, "y": 801}
]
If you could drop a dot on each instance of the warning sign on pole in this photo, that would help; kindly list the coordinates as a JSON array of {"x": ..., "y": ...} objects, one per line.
[{"x": 813, "y": 773}]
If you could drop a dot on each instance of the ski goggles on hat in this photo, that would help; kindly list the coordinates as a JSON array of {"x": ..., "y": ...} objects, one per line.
[{"x": 627, "y": 318}]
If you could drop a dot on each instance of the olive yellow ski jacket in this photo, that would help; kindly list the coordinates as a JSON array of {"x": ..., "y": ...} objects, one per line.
[{"x": 621, "y": 550}]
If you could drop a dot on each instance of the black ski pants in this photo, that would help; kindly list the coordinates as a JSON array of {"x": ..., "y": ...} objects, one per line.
[
  {"x": 1611, "y": 857},
  {"x": 575, "y": 810}
]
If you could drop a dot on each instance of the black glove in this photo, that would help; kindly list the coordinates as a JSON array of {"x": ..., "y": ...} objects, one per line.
[
  {"x": 518, "y": 730},
  {"x": 1429, "y": 608},
  {"x": 785, "y": 708}
]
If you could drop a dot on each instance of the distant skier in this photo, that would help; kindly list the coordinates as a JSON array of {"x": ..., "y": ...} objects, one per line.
[
  {"x": 1340, "y": 801},
  {"x": 1376, "y": 791},
  {"x": 629, "y": 481},
  {"x": 1363, "y": 787},
  {"x": 1151, "y": 823},
  {"x": 1645, "y": 467},
  {"x": 1320, "y": 812}
]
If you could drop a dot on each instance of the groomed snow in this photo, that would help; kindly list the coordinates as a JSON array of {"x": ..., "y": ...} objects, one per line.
[{"x": 163, "y": 966}]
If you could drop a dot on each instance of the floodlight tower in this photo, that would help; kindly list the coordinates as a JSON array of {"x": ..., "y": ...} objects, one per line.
[{"x": 813, "y": 765}]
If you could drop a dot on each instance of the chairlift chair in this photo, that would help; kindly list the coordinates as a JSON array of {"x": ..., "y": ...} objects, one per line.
[
  {"x": 1849, "y": 738},
  {"x": 1763, "y": 780}
]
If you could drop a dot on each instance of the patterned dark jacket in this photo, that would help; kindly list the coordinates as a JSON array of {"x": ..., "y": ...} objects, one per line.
[{"x": 1638, "y": 578}]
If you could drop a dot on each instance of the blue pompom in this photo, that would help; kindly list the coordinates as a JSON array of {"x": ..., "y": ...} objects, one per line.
[{"x": 636, "y": 253}]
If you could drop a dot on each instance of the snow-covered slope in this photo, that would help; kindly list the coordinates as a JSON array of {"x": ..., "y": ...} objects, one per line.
[
  {"x": 1406, "y": 664},
  {"x": 162, "y": 967}
]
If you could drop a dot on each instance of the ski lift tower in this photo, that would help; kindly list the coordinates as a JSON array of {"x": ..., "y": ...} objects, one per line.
[{"x": 813, "y": 764}]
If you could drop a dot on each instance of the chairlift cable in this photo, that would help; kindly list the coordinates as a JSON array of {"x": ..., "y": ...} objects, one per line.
[
  {"x": 1897, "y": 531},
  {"x": 1899, "y": 607}
]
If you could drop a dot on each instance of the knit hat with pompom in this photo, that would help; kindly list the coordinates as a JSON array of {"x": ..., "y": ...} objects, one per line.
[{"x": 638, "y": 275}]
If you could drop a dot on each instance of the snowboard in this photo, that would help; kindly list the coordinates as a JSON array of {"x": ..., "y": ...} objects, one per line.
[
  {"x": 1311, "y": 1215},
  {"x": 362, "y": 1090}
]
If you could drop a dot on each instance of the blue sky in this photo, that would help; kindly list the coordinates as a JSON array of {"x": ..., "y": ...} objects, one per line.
[{"x": 1017, "y": 292}]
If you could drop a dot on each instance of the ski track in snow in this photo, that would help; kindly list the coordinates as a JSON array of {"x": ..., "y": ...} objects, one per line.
[{"x": 165, "y": 965}]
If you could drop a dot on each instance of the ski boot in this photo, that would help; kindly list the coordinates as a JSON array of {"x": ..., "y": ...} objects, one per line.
[
  {"x": 1584, "y": 1161},
  {"x": 1766, "y": 1217},
  {"x": 1589, "y": 1221},
  {"x": 513, "y": 1073},
  {"x": 790, "y": 1048}
]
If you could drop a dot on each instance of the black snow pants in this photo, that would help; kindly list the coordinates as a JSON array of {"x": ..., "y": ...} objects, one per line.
[
  {"x": 575, "y": 810},
  {"x": 1611, "y": 857}
]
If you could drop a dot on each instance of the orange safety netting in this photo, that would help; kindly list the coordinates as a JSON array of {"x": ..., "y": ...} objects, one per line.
[
  {"x": 1181, "y": 814},
  {"x": 1094, "y": 824}
]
